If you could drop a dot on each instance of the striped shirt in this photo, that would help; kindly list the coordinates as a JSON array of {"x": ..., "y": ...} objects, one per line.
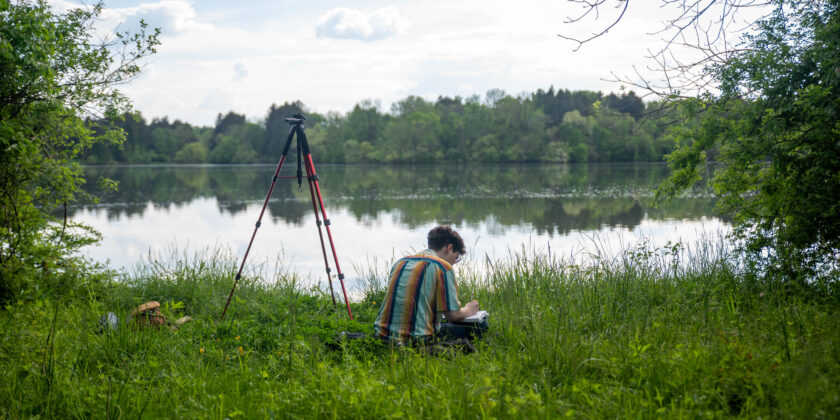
[{"x": 419, "y": 287}]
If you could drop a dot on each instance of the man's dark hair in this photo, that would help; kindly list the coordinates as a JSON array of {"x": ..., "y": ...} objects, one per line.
[{"x": 442, "y": 236}]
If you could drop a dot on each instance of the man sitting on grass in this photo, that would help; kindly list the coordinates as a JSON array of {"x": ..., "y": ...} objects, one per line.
[{"x": 423, "y": 286}]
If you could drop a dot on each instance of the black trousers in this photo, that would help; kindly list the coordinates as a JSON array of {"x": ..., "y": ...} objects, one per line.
[{"x": 456, "y": 330}]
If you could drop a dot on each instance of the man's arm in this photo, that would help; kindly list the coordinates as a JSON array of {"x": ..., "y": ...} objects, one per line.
[{"x": 459, "y": 315}]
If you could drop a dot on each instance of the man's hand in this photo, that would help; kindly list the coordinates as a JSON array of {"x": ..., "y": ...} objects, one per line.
[
  {"x": 459, "y": 315},
  {"x": 471, "y": 308}
]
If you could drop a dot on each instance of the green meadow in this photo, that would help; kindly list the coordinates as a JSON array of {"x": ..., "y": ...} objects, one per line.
[
  {"x": 655, "y": 333},
  {"x": 746, "y": 114}
]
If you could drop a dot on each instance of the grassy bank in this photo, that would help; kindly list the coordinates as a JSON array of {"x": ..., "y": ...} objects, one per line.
[{"x": 641, "y": 336}]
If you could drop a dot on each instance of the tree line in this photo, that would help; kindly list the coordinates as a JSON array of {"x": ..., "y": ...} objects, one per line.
[{"x": 544, "y": 126}]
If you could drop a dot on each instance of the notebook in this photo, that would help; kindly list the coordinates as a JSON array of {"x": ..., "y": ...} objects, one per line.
[{"x": 476, "y": 317}]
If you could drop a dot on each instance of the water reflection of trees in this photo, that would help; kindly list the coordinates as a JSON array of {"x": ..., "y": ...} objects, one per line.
[{"x": 550, "y": 198}]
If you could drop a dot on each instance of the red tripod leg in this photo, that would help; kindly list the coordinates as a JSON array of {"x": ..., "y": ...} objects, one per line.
[
  {"x": 320, "y": 233},
  {"x": 313, "y": 179},
  {"x": 259, "y": 220}
]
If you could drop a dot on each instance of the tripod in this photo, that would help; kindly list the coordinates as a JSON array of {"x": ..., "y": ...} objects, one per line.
[{"x": 302, "y": 146}]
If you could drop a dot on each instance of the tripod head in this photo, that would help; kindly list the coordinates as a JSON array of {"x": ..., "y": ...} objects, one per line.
[{"x": 296, "y": 119}]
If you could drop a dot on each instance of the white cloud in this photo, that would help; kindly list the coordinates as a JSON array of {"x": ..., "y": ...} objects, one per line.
[
  {"x": 343, "y": 23},
  {"x": 466, "y": 87},
  {"x": 240, "y": 71},
  {"x": 171, "y": 16},
  {"x": 215, "y": 58},
  {"x": 63, "y": 6},
  {"x": 216, "y": 101}
]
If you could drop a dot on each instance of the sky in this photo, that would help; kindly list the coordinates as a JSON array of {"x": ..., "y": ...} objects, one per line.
[{"x": 220, "y": 56}]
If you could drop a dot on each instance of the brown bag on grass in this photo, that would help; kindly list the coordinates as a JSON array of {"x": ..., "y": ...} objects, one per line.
[{"x": 148, "y": 314}]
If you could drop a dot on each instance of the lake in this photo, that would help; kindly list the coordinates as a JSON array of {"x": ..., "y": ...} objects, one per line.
[{"x": 380, "y": 212}]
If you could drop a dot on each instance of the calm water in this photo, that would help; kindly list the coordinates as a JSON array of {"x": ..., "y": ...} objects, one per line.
[{"x": 379, "y": 212}]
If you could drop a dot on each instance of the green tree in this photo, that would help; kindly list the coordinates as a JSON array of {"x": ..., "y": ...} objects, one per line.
[
  {"x": 53, "y": 74},
  {"x": 521, "y": 129},
  {"x": 163, "y": 143},
  {"x": 326, "y": 139},
  {"x": 770, "y": 140},
  {"x": 194, "y": 152},
  {"x": 575, "y": 132},
  {"x": 276, "y": 128},
  {"x": 476, "y": 124},
  {"x": 452, "y": 140},
  {"x": 225, "y": 148},
  {"x": 487, "y": 149},
  {"x": 759, "y": 121},
  {"x": 414, "y": 137},
  {"x": 364, "y": 126},
  {"x": 250, "y": 137}
]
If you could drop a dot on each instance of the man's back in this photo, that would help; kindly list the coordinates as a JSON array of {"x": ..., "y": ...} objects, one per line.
[{"x": 419, "y": 287}]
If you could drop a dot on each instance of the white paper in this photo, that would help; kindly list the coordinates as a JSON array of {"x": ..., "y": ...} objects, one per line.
[{"x": 476, "y": 317}]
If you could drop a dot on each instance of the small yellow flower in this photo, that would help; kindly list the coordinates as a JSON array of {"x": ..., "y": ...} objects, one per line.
[
  {"x": 237, "y": 338},
  {"x": 201, "y": 350},
  {"x": 374, "y": 302},
  {"x": 241, "y": 352}
]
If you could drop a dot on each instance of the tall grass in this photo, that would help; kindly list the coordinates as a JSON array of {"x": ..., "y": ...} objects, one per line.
[{"x": 669, "y": 332}]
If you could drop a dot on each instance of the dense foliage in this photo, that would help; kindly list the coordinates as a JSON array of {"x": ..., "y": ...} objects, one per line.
[
  {"x": 770, "y": 140},
  {"x": 546, "y": 126},
  {"x": 52, "y": 75}
]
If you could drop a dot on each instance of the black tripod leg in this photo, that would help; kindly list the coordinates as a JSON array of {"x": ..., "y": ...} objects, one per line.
[
  {"x": 259, "y": 220},
  {"x": 313, "y": 179},
  {"x": 320, "y": 233}
]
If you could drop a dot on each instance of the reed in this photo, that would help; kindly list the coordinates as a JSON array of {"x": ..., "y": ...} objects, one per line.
[{"x": 656, "y": 332}]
